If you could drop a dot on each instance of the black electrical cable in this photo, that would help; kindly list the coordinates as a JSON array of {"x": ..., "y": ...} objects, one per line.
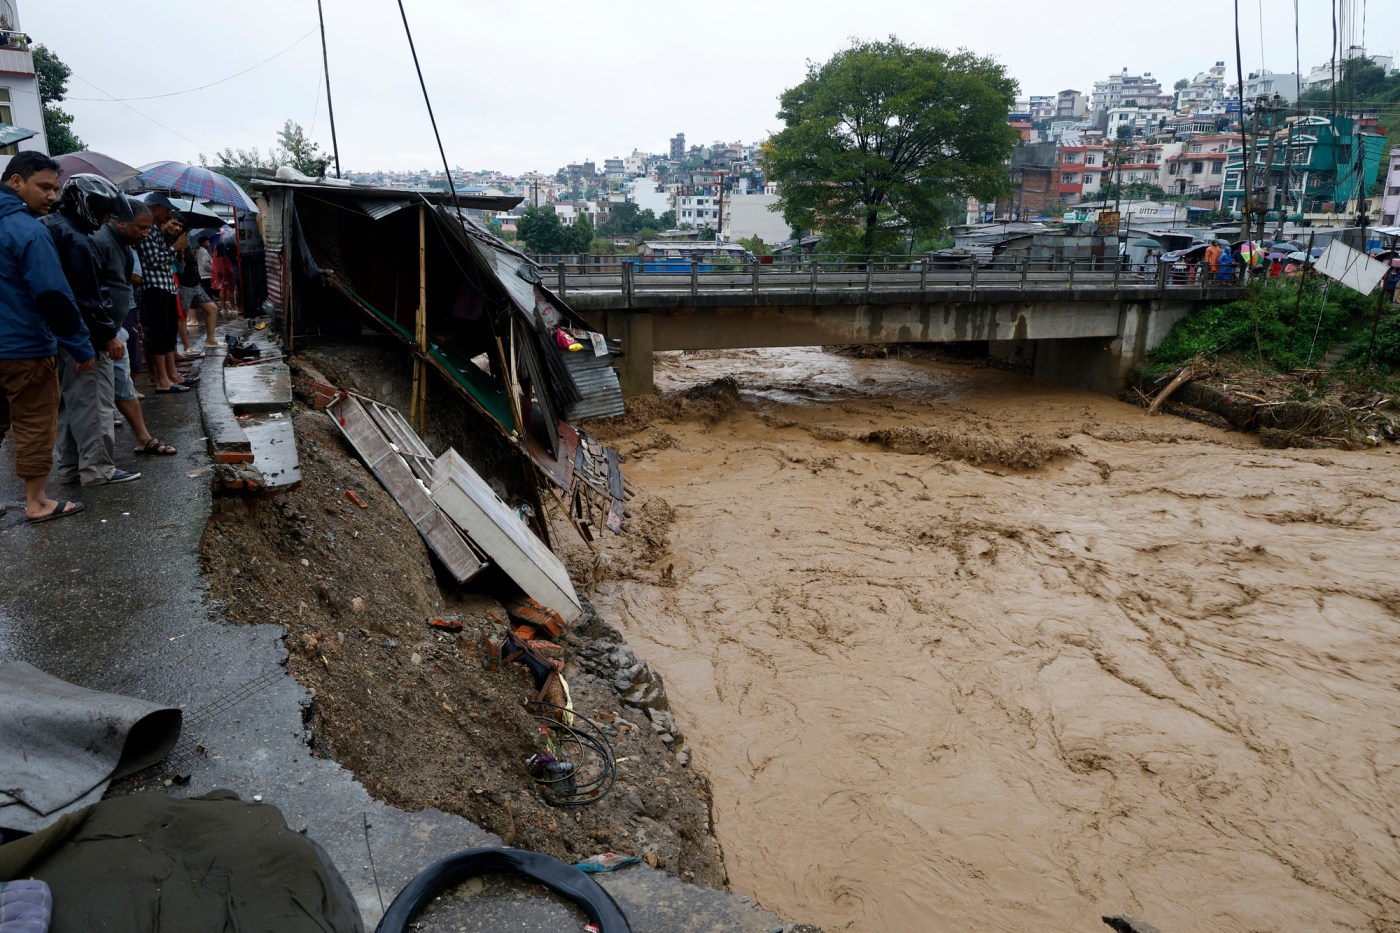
[
  {"x": 585, "y": 793},
  {"x": 432, "y": 119},
  {"x": 560, "y": 878}
]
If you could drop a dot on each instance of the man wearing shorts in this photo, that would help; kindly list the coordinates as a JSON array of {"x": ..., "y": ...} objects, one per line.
[
  {"x": 114, "y": 242},
  {"x": 193, "y": 298},
  {"x": 160, "y": 313},
  {"x": 37, "y": 314}
]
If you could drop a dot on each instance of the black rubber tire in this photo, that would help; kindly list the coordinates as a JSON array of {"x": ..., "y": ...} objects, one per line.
[{"x": 562, "y": 879}]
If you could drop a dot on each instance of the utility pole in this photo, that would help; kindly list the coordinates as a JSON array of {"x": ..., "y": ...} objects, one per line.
[
  {"x": 330, "y": 107},
  {"x": 1287, "y": 179},
  {"x": 1268, "y": 173},
  {"x": 719, "y": 210},
  {"x": 1247, "y": 176}
]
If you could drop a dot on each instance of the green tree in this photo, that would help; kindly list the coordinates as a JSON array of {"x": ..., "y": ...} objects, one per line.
[
  {"x": 621, "y": 220},
  {"x": 889, "y": 126},
  {"x": 296, "y": 150},
  {"x": 755, "y": 245},
  {"x": 542, "y": 232},
  {"x": 583, "y": 235},
  {"x": 53, "y": 75},
  {"x": 1181, "y": 85}
]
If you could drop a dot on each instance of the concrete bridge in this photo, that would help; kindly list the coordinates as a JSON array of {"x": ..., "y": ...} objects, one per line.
[{"x": 1079, "y": 323}]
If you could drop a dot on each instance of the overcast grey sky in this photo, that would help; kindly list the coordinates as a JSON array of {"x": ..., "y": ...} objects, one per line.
[{"x": 530, "y": 84}]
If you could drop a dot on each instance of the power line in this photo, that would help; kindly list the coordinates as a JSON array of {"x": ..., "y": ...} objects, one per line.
[
  {"x": 202, "y": 87},
  {"x": 201, "y": 146}
]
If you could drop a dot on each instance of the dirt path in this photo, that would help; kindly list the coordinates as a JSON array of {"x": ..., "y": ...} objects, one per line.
[{"x": 936, "y": 686}]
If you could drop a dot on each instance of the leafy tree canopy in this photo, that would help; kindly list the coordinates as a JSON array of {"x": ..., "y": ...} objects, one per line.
[
  {"x": 293, "y": 148},
  {"x": 876, "y": 137},
  {"x": 541, "y": 230},
  {"x": 52, "y": 75}
]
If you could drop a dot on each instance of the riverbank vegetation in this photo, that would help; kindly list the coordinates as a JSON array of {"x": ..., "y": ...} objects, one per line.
[
  {"x": 1302, "y": 364},
  {"x": 1285, "y": 326}
]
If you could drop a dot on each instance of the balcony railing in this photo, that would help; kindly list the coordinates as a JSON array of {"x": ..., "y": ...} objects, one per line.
[{"x": 15, "y": 57}]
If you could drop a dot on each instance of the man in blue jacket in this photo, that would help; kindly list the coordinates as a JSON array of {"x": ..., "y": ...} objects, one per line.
[{"x": 37, "y": 313}]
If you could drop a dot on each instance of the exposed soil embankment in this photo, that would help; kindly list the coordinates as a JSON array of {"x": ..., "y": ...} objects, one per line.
[{"x": 423, "y": 717}]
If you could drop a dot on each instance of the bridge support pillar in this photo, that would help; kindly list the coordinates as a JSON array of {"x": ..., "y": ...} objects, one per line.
[
  {"x": 1102, "y": 364},
  {"x": 634, "y": 370}
]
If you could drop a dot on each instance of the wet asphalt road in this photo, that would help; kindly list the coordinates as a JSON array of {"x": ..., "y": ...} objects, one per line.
[{"x": 113, "y": 599}]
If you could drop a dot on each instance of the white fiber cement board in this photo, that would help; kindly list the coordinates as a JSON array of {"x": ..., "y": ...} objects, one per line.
[{"x": 494, "y": 527}]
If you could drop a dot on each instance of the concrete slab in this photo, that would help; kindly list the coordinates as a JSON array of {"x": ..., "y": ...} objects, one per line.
[
  {"x": 226, "y": 439},
  {"x": 258, "y": 387},
  {"x": 274, "y": 446}
]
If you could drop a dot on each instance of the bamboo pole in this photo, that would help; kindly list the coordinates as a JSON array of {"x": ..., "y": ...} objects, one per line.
[{"x": 418, "y": 413}]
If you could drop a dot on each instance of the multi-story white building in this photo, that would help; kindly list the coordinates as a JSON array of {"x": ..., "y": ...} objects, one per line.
[
  {"x": 1205, "y": 93},
  {"x": 19, "y": 87},
  {"x": 1267, "y": 83},
  {"x": 1144, "y": 121},
  {"x": 698, "y": 210},
  {"x": 649, "y": 195},
  {"x": 1125, "y": 90},
  {"x": 1390, "y": 195},
  {"x": 1320, "y": 77}
]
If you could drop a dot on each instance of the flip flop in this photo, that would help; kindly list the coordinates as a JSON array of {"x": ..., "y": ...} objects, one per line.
[
  {"x": 155, "y": 448},
  {"x": 173, "y": 390},
  {"x": 60, "y": 511}
]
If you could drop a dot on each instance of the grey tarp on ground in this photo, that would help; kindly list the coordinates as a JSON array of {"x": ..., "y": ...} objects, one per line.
[
  {"x": 61, "y": 745},
  {"x": 212, "y": 864}
]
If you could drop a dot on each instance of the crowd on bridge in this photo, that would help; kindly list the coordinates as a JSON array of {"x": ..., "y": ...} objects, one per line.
[{"x": 95, "y": 285}]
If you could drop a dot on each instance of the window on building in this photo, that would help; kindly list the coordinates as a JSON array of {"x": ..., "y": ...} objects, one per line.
[
  {"x": 1091, "y": 159},
  {"x": 1195, "y": 147},
  {"x": 1069, "y": 178},
  {"x": 1174, "y": 168},
  {"x": 6, "y": 115},
  {"x": 1197, "y": 168},
  {"x": 1216, "y": 167},
  {"x": 1071, "y": 158}
]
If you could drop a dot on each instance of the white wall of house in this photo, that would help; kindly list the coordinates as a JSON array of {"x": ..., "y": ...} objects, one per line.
[
  {"x": 650, "y": 195},
  {"x": 750, "y": 215}
]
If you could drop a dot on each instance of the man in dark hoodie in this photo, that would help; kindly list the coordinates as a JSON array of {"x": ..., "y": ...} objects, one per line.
[
  {"x": 83, "y": 454},
  {"x": 37, "y": 313}
]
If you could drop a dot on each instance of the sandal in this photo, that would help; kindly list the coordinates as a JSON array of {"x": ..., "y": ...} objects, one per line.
[
  {"x": 61, "y": 510},
  {"x": 155, "y": 448},
  {"x": 171, "y": 390}
]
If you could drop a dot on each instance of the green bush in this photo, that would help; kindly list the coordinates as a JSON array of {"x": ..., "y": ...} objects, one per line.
[{"x": 1285, "y": 335}]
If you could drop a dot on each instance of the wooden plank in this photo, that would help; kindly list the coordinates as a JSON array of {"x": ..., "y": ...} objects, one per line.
[{"x": 394, "y": 474}]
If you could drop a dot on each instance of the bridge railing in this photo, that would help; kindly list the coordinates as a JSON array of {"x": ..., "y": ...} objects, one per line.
[{"x": 631, "y": 276}]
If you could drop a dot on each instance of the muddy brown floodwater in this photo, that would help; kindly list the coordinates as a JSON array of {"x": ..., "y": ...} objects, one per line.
[{"x": 938, "y": 687}]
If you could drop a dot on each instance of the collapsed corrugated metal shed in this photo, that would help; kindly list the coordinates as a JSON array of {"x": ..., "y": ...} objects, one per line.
[{"x": 467, "y": 305}]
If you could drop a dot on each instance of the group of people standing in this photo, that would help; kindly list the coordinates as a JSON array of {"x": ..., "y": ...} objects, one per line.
[{"x": 83, "y": 270}]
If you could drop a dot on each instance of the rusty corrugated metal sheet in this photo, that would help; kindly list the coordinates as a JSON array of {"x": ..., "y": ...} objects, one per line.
[{"x": 600, "y": 394}]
